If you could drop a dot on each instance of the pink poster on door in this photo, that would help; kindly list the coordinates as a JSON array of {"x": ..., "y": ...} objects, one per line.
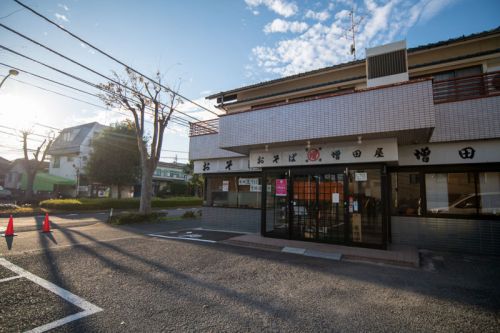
[{"x": 281, "y": 187}]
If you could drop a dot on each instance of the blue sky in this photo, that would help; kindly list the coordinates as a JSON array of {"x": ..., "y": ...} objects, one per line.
[{"x": 210, "y": 45}]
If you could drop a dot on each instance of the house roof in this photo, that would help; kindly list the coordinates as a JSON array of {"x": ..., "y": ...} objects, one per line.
[
  {"x": 357, "y": 62},
  {"x": 61, "y": 146},
  {"x": 179, "y": 166}
]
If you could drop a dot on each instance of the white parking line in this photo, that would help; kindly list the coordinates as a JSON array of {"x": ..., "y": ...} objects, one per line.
[
  {"x": 88, "y": 308},
  {"x": 10, "y": 278},
  {"x": 184, "y": 238}
]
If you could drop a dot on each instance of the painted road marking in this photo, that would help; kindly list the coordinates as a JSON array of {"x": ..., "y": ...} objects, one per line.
[
  {"x": 184, "y": 238},
  {"x": 87, "y": 307},
  {"x": 10, "y": 278},
  {"x": 74, "y": 214}
]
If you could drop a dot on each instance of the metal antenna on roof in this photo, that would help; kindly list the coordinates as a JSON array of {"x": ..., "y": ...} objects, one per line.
[{"x": 350, "y": 34}]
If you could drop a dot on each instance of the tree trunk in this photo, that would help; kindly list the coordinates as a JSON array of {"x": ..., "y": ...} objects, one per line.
[
  {"x": 146, "y": 190},
  {"x": 30, "y": 181},
  {"x": 119, "y": 189}
]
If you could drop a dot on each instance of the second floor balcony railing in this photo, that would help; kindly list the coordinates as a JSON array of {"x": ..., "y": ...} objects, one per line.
[
  {"x": 204, "y": 127},
  {"x": 469, "y": 87}
]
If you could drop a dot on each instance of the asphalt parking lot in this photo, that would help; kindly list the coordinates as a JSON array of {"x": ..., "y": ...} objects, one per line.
[{"x": 151, "y": 284}]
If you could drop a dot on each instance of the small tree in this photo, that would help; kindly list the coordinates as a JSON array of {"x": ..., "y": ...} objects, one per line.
[
  {"x": 115, "y": 157},
  {"x": 32, "y": 166},
  {"x": 144, "y": 99},
  {"x": 196, "y": 182}
]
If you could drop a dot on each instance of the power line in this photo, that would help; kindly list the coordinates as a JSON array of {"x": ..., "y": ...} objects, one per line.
[
  {"x": 109, "y": 56},
  {"x": 70, "y": 75},
  {"x": 47, "y": 79},
  {"x": 18, "y": 136},
  {"x": 176, "y": 120},
  {"x": 84, "y": 66},
  {"x": 16, "y": 148},
  {"x": 47, "y": 126},
  {"x": 15, "y": 129}
]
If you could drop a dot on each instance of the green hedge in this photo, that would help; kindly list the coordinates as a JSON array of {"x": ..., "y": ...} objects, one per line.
[
  {"x": 131, "y": 218},
  {"x": 98, "y": 204}
]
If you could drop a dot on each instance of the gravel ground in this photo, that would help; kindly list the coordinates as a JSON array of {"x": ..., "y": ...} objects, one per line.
[
  {"x": 25, "y": 305},
  {"x": 152, "y": 285}
]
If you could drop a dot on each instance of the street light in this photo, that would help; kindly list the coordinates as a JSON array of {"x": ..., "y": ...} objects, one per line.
[{"x": 12, "y": 72}]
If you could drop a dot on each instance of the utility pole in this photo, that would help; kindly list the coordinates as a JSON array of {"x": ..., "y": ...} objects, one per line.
[{"x": 12, "y": 72}]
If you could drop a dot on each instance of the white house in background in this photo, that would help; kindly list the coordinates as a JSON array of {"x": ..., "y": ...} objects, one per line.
[{"x": 70, "y": 152}]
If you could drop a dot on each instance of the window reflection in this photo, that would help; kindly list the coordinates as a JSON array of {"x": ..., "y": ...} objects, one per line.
[{"x": 406, "y": 193}]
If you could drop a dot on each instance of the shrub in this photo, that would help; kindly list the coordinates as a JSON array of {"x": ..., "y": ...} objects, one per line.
[
  {"x": 106, "y": 203},
  {"x": 189, "y": 215},
  {"x": 131, "y": 218}
]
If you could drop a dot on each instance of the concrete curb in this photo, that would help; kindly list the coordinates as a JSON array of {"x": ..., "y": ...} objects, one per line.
[{"x": 335, "y": 256}]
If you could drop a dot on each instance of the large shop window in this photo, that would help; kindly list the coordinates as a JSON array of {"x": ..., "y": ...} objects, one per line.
[
  {"x": 233, "y": 191},
  {"x": 451, "y": 193},
  {"x": 467, "y": 194},
  {"x": 489, "y": 193},
  {"x": 406, "y": 199}
]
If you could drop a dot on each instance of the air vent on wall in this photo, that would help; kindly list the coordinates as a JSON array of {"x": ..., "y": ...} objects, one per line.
[{"x": 386, "y": 64}]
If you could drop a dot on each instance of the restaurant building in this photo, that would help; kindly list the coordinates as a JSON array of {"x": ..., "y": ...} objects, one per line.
[{"x": 402, "y": 147}]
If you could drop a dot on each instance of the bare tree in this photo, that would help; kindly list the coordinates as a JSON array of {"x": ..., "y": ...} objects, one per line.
[
  {"x": 32, "y": 166},
  {"x": 143, "y": 99}
]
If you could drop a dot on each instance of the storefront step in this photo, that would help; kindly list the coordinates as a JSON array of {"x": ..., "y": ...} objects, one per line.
[{"x": 406, "y": 256}]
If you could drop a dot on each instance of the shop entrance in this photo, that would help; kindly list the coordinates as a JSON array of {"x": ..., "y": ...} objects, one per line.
[
  {"x": 334, "y": 205},
  {"x": 318, "y": 207}
]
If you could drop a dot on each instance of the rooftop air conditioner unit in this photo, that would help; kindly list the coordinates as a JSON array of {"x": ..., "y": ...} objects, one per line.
[{"x": 387, "y": 64}]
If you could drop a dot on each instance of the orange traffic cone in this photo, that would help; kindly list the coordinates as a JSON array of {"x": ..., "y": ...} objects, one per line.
[
  {"x": 46, "y": 223},
  {"x": 10, "y": 228}
]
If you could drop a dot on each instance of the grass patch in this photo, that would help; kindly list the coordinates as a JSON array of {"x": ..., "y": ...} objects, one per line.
[
  {"x": 105, "y": 203},
  {"x": 134, "y": 218}
]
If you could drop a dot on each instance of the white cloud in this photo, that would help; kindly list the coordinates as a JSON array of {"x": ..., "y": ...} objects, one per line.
[
  {"x": 320, "y": 16},
  {"x": 63, "y": 6},
  {"x": 279, "y": 25},
  {"x": 433, "y": 7},
  {"x": 280, "y": 7},
  {"x": 325, "y": 43},
  {"x": 61, "y": 17}
]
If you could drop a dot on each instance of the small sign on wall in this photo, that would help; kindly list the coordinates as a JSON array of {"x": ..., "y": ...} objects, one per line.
[
  {"x": 281, "y": 187},
  {"x": 225, "y": 186},
  {"x": 335, "y": 197},
  {"x": 360, "y": 176}
]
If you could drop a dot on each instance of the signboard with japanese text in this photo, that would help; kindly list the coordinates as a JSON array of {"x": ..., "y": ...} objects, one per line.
[
  {"x": 248, "y": 181},
  {"x": 223, "y": 165},
  {"x": 383, "y": 150},
  {"x": 464, "y": 152}
]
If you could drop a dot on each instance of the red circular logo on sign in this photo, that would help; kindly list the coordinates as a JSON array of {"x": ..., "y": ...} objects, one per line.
[{"x": 313, "y": 154}]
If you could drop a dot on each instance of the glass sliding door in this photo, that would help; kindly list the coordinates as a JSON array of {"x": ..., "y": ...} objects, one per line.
[
  {"x": 365, "y": 207},
  {"x": 277, "y": 205},
  {"x": 318, "y": 207}
]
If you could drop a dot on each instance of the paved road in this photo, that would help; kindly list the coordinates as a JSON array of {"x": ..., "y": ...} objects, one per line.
[{"x": 146, "y": 284}]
